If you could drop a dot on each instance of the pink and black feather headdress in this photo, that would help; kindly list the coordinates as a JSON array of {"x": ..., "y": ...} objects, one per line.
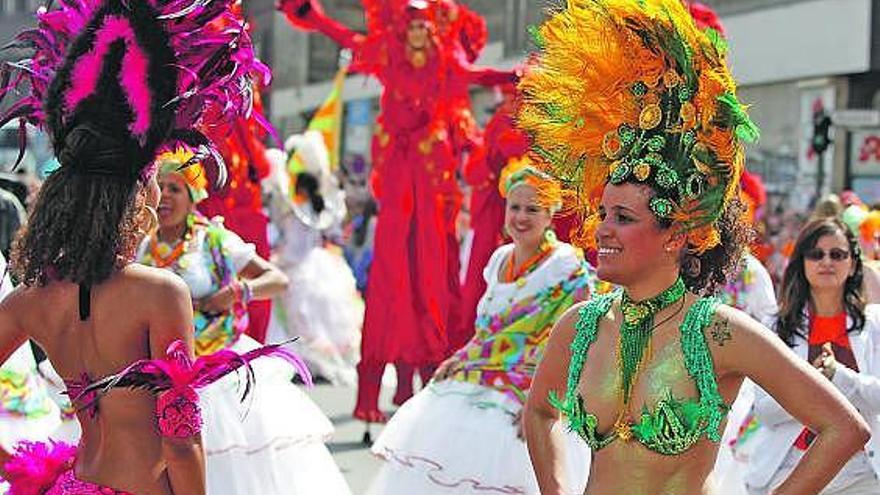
[{"x": 113, "y": 80}]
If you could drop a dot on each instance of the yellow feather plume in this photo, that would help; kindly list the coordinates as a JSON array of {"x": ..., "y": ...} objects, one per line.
[{"x": 639, "y": 69}]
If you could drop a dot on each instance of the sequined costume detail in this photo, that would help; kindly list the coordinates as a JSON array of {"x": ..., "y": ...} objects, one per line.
[{"x": 674, "y": 425}]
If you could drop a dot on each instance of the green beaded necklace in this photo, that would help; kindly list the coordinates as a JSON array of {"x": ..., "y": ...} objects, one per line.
[{"x": 635, "y": 338}]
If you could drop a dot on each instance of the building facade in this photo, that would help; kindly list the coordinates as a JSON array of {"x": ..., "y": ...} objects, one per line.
[{"x": 791, "y": 58}]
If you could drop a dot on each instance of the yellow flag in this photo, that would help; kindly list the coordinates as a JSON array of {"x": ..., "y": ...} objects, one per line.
[{"x": 328, "y": 119}]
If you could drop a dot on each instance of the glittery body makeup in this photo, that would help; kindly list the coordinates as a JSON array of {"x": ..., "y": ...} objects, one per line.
[{"x": 628, "y": 466}]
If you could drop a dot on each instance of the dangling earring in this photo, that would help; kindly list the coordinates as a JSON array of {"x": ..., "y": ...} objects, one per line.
[{"x": 147, "y": 215}]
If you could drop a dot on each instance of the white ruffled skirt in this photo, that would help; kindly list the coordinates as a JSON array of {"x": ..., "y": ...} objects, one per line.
[
  {"x": 456, "y": 438},
  {"x": 272, "y": 443},
  {"x": 324, "y": 310}
]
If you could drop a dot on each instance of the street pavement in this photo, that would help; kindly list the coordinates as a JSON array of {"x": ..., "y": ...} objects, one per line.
[{"x": 354, "y": 459}]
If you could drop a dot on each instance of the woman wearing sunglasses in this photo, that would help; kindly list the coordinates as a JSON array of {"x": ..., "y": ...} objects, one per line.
[{"x": 824, "y": 319}]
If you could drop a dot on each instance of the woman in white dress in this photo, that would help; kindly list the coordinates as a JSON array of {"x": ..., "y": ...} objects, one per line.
[
  {"x": 462, "y": 433},
  {"x": 273, "y": 442},
  {"x": 322, "y": 306}
]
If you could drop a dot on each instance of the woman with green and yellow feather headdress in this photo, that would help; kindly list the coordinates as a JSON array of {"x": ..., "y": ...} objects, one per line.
[
  {"x": 633, "y": 92},
  {"x": 632, "y": 108}
]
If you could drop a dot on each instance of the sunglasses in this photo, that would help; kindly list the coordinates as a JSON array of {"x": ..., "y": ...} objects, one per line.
[{"x": 836, "y": 254}]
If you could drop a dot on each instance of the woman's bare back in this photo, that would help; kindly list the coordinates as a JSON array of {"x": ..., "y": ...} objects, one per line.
[{"x": 120, "y": 446}]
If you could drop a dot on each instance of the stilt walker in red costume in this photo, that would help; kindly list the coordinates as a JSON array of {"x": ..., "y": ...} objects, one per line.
[
  {"x": 502, "y": 143},
  {"x": 465, "y": 34},
  {"x": 240, "y": 203},
  {"x": 413, "y": 289}
]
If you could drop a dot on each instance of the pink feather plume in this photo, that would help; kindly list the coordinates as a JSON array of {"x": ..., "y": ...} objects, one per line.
[
  {"x": 215, "y": 59},
  {"x": 133, "y": 79},
  {"x": 177, "y": 370},
  {"x": 35, "y": 466}
]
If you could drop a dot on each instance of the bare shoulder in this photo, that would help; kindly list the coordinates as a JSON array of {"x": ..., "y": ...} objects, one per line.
[
  {"x": 154, "y": 281},
  {"x": 734, "y": 336},
  {"x": 21, "y": 298},
  {"x": 166, "y": 302},
  {"x": 730, "y": 324},
  {"x": 567, "y": 323}
]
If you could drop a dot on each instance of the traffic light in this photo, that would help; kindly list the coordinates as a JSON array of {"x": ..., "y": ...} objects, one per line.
[{"x": 821, "y": 127}]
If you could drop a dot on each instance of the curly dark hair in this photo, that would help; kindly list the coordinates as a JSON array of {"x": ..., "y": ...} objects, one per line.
[
  {"x": 706, "y": 273},
  {"x": 794, "y": 295},
  {"x": 81, "y": 229},
  {"x": 83, "y": 226}
]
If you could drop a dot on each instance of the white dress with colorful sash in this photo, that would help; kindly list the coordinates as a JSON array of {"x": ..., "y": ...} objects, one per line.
[
  {"x": 273, "y": 442},
  {"x": 457, "y": 436}
]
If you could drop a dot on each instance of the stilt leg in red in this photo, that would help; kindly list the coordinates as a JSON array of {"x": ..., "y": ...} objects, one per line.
[{"x": 369, "y": 386}]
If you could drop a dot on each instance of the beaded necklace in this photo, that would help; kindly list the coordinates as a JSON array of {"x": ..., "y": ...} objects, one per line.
[
  {"x": 634, "y": 343},
  {"x": 548, "y": 245},
  {"x": 511, "y": 274},
  {"x": 161, "y": 260}
]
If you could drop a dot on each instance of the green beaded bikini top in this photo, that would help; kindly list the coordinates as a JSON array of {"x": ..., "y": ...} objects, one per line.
[{"x": 674, "y": 426}]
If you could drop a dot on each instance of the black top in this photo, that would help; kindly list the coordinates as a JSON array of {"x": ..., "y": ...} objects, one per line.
[{"x": 85, "y": 303}]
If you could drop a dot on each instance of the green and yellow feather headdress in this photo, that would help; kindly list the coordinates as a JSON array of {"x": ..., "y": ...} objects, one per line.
[{"x": 633, "y": 91}]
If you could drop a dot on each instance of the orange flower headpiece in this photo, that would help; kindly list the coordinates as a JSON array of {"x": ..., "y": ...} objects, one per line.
[
  {"x": 187, "y": 165},
  {"x": 520, "y": 171},
  {"x": 633, "y": 91}
]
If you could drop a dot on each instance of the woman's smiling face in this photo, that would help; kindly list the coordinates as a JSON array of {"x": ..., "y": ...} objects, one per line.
[
  {"x": 176, "y": 203},
  {"x": 524, "y": 220},
  {"x": 629, "y": 238}
]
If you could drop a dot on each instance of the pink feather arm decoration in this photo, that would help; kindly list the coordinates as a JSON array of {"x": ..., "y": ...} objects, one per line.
[
  {"x": 34, "y": 467},
  {"x": 178, "y": 371},
  {"x": 215, "y": 61}
]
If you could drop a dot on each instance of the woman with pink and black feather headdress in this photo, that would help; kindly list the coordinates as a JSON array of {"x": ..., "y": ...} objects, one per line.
[{"x": 106, "y": 79}]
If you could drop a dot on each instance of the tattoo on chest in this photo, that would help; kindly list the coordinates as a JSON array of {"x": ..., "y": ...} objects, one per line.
[{"x": 721, "y": 332}]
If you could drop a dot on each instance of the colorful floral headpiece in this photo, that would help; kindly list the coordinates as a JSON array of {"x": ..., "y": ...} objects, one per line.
[
  {"x": 521, "y": 171},
  {"x": 186, "y": 164},
  {"x": 633, "y": 91}
]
